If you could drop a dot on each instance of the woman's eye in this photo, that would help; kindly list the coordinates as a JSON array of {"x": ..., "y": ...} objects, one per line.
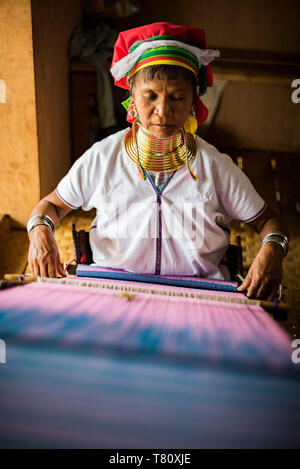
[
  {"x": 177, "y": 98},
  {"x": 151, "y": 97}
]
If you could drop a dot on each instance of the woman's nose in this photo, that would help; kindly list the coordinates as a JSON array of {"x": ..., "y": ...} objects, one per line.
[{"x": 163, "y": 108}]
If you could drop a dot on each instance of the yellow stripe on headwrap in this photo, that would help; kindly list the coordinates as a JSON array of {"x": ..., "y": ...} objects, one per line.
[{"x": 162, "y": 62}]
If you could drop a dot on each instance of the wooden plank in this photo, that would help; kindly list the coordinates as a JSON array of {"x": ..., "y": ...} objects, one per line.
[
  {"x": 259, "y": 116},
  {"x": 53, "y": 22},
  {"x": 19, "y": 164},
  {"x": 5, "y": 227},
  {"x": 261, "y": 25},
  {"x": 84, "y": 93},
  {"x": 252, "y": 76},
  {"x": 257, "y": 66}
]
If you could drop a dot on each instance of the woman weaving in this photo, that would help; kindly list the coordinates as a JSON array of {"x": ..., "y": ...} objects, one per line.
[{"x": 164, "y": 196}]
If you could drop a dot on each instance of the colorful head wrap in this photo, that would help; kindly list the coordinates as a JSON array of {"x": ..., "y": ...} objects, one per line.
[{"x": 165, "y": 43}]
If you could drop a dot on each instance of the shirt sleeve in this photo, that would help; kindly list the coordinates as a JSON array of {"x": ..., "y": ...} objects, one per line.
[
  {"x": 237, "y": 194},
  {"x": 78, "y": 186}
]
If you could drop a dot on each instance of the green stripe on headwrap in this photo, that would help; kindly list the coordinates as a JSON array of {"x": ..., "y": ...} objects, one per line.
[{"x": 172, "y": 51}]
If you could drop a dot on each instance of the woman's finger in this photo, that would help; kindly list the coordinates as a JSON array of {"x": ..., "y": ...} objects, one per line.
[
  {"x": 262, "y": 291},
  {"x": 245, "y": 284},
  {"x": 60, "y": 271},
  {"x": 43, "y": 269},
  {"x": 52, "y": 270},
  {"x": 34, "y": 268},
  {"x": 30, "y": 267},
  {"x": 59, "y": 268},
  {"x": 267, "y": 291},
  {"x": 252, "y": 290}
]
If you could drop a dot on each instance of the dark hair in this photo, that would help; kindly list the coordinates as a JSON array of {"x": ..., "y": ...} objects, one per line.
[{"x": 172, "y": 72}]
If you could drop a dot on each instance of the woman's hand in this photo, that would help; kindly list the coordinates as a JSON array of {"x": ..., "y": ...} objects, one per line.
[
  {"x": 265, "y": 273},
  {"x": 43, "y": 255}
]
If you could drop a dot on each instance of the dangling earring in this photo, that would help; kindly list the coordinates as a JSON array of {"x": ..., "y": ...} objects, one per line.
[
  {"x": 191, "y": 125},
  {"x": 131, "y": 114},
  {"x": 131, "y": 109}
]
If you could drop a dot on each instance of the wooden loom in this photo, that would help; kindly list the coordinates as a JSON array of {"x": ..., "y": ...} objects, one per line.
[{"x": 121, "y": 363}]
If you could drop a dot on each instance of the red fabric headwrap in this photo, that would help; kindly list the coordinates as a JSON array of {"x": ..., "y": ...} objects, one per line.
[
  {"x": 201, "y": 111},
  {"x": 126, "y": 39}
]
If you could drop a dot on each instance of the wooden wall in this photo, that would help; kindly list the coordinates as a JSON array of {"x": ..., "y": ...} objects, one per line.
[
  {"x": 53, "y": 22},
  {"x": 271, "y": 25},
  {"x": 257, "y": 116},
  {"x": 19, "y": 166},
  {"x": 251, "y": 115},
  {"x": 35, "y": 119}
]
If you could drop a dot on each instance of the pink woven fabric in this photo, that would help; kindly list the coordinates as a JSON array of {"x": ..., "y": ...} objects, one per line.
[{"x": 213, "y": 331}]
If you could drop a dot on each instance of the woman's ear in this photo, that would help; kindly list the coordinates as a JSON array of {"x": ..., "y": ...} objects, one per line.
[{"x": 129, "y": 83}]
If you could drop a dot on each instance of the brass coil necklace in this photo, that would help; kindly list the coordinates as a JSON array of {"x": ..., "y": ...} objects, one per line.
[{"x": 155, "y": 154}]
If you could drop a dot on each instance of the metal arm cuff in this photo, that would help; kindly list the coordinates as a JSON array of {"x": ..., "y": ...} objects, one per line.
[
  {"x": 40, "y": 220},
  {"x": 279, "y": 238}
]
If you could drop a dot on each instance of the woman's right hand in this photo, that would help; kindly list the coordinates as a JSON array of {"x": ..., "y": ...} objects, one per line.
[{"x": 43, "y": 254}]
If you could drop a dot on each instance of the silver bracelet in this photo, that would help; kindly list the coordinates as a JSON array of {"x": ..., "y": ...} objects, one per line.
[
  {"x": 40, "y": 220},
  {"x": 279, "y": 238}
]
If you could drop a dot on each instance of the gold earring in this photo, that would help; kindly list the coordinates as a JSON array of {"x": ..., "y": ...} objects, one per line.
[{"x": 132, "y": 110}]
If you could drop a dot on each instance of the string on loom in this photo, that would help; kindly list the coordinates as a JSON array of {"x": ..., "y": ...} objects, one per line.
[
  {"x": 69, "y": 263},
  {"x": 268, "y": 305}
]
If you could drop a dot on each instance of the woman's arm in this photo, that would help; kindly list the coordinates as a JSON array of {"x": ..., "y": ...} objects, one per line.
[
  {"x": 43, "y": 254},
  {"x": 265, "y": 273}
]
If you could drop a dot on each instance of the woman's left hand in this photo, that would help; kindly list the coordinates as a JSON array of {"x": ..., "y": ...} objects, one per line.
[{"x": 265, "y": 273}]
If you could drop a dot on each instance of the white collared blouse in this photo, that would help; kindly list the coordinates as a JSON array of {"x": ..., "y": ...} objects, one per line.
[{"x": 180, "y": 229}]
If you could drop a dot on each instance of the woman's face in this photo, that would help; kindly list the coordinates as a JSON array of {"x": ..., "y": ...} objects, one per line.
[{"x": 162, "y": 104}]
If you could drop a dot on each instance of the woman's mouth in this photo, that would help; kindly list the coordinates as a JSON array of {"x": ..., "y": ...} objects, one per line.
[{"x": 163, "y": 126}]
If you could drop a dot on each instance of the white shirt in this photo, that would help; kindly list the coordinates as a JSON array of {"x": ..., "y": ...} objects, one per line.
[{"x": 182, "y": 231}]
